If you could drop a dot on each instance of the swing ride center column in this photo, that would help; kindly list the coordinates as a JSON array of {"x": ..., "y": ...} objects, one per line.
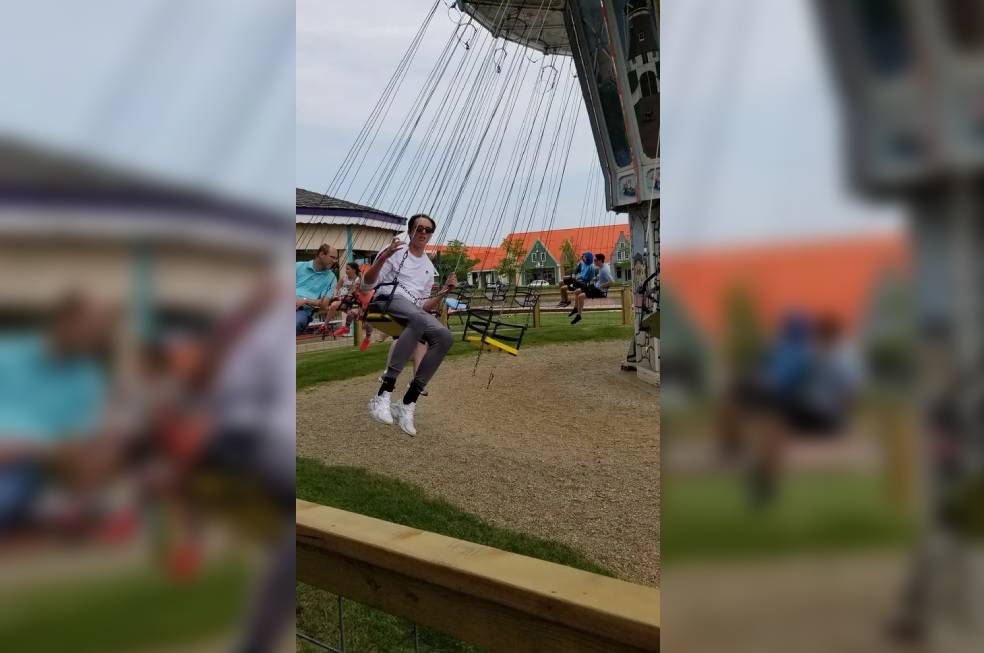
[{"x": 615, "y": 47}]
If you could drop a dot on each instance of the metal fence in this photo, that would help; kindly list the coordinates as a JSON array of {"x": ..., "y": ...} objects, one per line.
[{"x": 342, "y": 647}]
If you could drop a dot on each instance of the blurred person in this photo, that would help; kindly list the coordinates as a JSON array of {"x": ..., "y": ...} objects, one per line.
[
  {"x": 315, "y": 282},
  {"x": 53, "y": 395},
  {"x": 583, "y": 274},
  {"x": 761, "y": 385},
  {"x": 219, "y": 443},
  {"x": 835, "y": 378},
  {"x": 350, "y": 284},
  {"x": 178, "y": 428},
  {"x": 251, "y": 401},
  {"x": 597, "y": 288},
  {"x": 805, "y": 387},
  {"x": 409, "y": 273},
  {"x": 233, "y": 450}
]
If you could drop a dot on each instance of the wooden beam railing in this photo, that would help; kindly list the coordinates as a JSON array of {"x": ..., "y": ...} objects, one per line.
[{"x": 485, "y": 596}]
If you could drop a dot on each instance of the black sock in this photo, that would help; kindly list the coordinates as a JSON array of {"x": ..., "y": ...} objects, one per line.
[
  {"x": 413, "y": 392},
  {"x": 576, "y": 319},
  {"x": 388, "y": 386},
  {"x": 573, "y": 311}
]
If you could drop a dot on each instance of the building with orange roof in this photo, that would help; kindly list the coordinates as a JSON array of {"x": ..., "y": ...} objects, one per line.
[
  {"x": 834, "y": 277},
  {"x": 544, "y": 254},
  {"x": 544, "y": 258},
  {"x": 484, "y": 272}
]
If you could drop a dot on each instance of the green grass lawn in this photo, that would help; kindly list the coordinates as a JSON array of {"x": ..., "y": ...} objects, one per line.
[
  {"x": 360, "y": 491},
  {"x": 345, "y": 363},
  {"x": 708, "y": 516},
  {"x": 132, "y": 611}
]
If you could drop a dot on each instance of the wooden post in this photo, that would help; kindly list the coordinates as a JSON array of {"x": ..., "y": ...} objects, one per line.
[
  {"x": 357, "y": 333},
  {"x": 898, "y": 436},
  {"x": 627, "y": 305},
  {"x": 444, "y": 312},
  {"x": 536, "y": 312}
]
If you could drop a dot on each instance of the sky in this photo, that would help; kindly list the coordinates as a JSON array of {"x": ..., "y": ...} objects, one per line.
[
  {"x": 194, "y": 91},
  {"x": 751, "y": 142},
  {"x": 344, "y": 59},
  {"x": 751, "y": 148},
  {"x": 208, "y": 92}
]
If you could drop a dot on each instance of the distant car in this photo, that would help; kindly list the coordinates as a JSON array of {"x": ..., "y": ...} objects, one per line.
[{"x": 539, "y": 283}]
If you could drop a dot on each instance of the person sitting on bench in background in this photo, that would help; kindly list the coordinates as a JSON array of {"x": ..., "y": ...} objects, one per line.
[
  {"x": 350, "y": 284},
  {"x": 597, "y": 289},
  {"x": 582, "y": 277},
  {"x": 315, "y": 280}
]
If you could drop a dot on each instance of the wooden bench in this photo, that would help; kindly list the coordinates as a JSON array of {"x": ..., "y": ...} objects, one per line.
[
  {"x": 319, "y": 329},
  {"x": 599, "y": 304}
]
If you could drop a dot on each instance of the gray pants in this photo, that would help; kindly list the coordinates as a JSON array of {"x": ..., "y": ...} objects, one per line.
[{"x": 420, "y": 326}]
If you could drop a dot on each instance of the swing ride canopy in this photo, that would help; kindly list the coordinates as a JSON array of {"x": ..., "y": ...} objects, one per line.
[{"x": 538, "y": 24}]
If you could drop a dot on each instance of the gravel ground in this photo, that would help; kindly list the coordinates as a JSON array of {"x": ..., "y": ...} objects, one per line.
[{"x": 585, "y": 473}]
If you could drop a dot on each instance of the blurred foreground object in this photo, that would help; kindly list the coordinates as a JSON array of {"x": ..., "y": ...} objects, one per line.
[
  {"x": 912, "y": 81},
  {"x": 146, "y": 410}
]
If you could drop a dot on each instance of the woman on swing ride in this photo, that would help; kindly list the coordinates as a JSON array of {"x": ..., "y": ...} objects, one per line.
[{"x": 403, "y": 275}]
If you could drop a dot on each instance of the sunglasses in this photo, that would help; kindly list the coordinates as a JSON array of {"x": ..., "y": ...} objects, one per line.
[{"x": 424, "y": 230}]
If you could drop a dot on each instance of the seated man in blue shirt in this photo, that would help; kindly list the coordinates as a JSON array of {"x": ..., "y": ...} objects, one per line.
[
  {"x": 583, "y": 275},
  {"x": 315, "y": 284},
  {"x": 598, "y": 288},
  {"x": 53, "y": 391}
]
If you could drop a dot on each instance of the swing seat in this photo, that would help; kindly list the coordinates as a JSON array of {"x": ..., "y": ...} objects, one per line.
[
  {"x": 385, "y": 323},
  {"x": 375, "y": 314},
  {"x": 481, "y": 328},
  {"x": 491, "y": 344}
]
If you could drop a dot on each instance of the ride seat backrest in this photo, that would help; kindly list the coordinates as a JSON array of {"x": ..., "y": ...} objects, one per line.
[
  {"x": 525, "y": 298},
  {"x": 463, "y": 295},
  {"x": 497, "y": 294}
]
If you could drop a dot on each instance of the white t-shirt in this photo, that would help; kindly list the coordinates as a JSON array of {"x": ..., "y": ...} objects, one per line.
[
  {"x": 346, "y": 285},
  {"x": 416, "y": 275}
]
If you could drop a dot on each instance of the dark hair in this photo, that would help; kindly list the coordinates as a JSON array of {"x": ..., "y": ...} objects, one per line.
[
  {"x": 414, "y": 219},
  {"x": 600, "y": 258},
  {"x": 325, "y": 249},
  {"x": 354, "y": 266}
]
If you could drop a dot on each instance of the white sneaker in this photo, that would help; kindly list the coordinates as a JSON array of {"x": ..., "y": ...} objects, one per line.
[
  {"x": 379, "y": 408},
  {"x": 404, "y": 417}
]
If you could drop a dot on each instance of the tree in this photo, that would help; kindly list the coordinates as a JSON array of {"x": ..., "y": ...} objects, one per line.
[
  {"x": 515, "y": 253},
  {"x": 568, "y": 256},
  {"x": 744, "y": 340},
  {"x": 455, "y": 259}
]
